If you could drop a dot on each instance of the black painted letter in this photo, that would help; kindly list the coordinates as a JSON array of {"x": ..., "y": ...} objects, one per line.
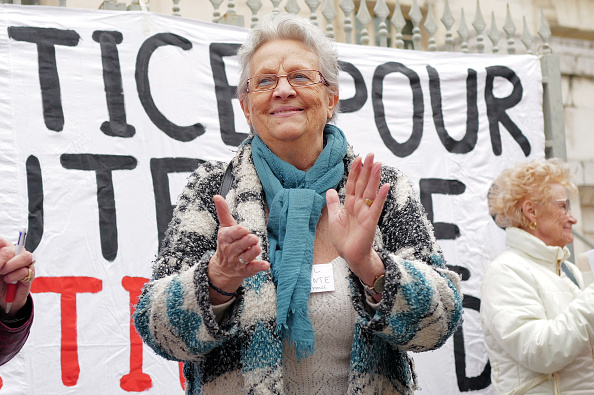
[
  {"x": 112, "y": 79},
  {"x": 35, "y": 196},
  {"x": 103, "y": 165},
  {"x": 399, "y": 149},
  {"x": 356, "y": 102},
  {"x": 160, "y": 168},
  {"x": 429, "y": 186},
  {"x": 49, "y": 81},
  {"x": 496, "y": 108},
  {"x": 225, "y": 93},
  {"x": 483, "y": 380},
  {"x": 179, "y": 133},
  {"x": 468, "y": 142}
]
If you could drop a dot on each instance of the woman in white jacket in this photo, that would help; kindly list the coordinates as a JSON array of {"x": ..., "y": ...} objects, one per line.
[{"x": 537, "y": 310}]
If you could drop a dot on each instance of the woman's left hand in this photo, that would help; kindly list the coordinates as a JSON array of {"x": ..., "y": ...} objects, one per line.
[{"x": 352, "y": 227}]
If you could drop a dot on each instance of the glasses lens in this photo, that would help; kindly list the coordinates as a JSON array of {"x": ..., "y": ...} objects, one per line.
[
  {"x": 564, "y": 204},
  {"x": 303, "y": 77},
  {"x": 262, "y": 82}
]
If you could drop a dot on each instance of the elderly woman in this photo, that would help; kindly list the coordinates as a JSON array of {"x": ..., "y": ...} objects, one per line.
[
  {"x": 537, "y": 311},
  {"x": 16, "y": 320},
  {"x": 231, "y": 292}
]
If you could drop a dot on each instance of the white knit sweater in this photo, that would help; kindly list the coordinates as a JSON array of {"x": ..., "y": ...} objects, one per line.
[{"x": 326, "y": 371}]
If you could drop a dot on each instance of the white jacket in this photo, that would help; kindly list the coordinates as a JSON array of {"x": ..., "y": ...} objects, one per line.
[{"x": 537, "y": 323}]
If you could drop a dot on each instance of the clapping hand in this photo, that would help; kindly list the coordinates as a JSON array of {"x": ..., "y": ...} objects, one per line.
[
  {"x": 235, "y": 257},
  {"x": 353, "y": 226}
]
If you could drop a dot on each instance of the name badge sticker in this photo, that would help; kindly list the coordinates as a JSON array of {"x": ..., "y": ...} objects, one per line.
[{"x": 322, "y": 278}]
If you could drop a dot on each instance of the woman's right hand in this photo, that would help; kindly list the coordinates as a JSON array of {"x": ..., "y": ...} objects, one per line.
[
  {"x": 15, "y": 269},
  {"x": 235, "y": 257}
]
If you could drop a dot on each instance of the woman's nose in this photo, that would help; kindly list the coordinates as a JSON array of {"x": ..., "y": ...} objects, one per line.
[{"x": 283, "y": 88}]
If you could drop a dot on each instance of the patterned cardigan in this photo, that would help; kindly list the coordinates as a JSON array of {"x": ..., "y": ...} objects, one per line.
[{"x": 421, "y": 306}]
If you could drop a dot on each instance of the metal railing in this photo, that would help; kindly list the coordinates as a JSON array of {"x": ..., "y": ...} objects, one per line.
[
  {"x": 392, "y": 25},
  {"x": 396, "y": 30},
  {"x": 397, "y": 26}
]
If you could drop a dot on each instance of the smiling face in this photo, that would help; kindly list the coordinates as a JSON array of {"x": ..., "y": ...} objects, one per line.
[
  {"x": 553, "y": 222},
  {"x": 289, "y": 120}
]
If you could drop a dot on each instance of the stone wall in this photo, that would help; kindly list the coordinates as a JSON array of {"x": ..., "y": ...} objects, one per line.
[{"x": 577, "y": 68}]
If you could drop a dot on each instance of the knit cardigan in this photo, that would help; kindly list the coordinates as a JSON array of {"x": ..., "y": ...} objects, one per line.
[{"x": 420, "y": 309}]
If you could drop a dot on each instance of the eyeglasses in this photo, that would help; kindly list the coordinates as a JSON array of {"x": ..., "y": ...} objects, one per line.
[
  {"x": 297, "y": 79},
  {"x": 565, "y": 205}
]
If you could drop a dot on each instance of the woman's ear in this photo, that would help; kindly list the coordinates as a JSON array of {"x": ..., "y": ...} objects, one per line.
[
  {"x": 529, "y": 210},
  {"x": 332, "y": 102},
  {"x": 244, "y": 103}
]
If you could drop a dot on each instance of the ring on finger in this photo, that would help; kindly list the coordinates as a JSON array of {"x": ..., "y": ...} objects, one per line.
[
  {"x": 29, "y": 276},
  {"x": 368, "y": 202},
  {"x": 241, "y": 261}
]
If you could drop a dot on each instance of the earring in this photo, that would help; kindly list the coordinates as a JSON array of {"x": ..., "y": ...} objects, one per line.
[{"x": 533, "y": 225}]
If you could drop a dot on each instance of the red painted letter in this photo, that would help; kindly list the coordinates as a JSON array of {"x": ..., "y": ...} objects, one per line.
[
  {"x": 136, "y": 380},
  {"x": 68, "y": 287}
]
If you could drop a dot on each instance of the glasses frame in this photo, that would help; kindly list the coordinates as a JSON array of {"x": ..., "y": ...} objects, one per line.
[
  {"x": 567, "y": 207},
  {"x": 278, "y": 77}
]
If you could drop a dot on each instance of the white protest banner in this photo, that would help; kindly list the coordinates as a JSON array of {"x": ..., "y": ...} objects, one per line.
[{"x": 104, "y": 114}]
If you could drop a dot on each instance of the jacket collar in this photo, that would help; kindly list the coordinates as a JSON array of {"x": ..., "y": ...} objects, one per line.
[{"x": 535, "y": 249}]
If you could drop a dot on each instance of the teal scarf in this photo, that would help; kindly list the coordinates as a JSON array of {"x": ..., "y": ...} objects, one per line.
[{"x": 295, "y": 201}]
